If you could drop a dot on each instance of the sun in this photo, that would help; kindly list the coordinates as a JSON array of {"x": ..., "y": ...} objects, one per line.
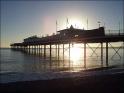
[{"x": 76, "y": 23}]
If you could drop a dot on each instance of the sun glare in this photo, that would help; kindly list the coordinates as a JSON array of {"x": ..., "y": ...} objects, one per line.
[
  {"x": 75, "y": 55},
  {"x": 76, "y": 23}
]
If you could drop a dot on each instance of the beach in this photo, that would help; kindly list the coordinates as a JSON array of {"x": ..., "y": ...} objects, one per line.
[
  {"x": 102, "y": 83},
  {"x": 62, "y": 47}
]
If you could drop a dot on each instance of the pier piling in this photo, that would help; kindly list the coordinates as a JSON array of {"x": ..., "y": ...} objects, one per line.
[
  {"x": 107, "y": 54},
  {"x": 38, "y": 45},
  {"x": 85, "y": 55},
  {"x": 101, "y": 54}
]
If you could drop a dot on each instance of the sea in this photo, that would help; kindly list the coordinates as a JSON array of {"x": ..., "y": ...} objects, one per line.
[{"x": 24, "y": 66}]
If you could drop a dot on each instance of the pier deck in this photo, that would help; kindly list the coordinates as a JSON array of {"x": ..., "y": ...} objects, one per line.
[
  {"x": 101, "y": 39},
  {"x": 71, "y": 36}
]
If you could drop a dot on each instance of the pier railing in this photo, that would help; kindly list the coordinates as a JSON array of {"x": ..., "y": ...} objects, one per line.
[{"x": 56, "y": 40}]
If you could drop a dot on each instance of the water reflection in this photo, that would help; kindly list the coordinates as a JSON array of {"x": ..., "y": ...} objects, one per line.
[
  {"x": 73, "y": 62},
  {"x": 36, "y": 62},
  {"x": 75, "y": 56}
]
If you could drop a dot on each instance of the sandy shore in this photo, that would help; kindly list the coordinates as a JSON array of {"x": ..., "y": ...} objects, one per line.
[{"x": 111, "y": 83}]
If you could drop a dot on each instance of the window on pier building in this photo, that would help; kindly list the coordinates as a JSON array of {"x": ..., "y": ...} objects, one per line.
[{"x": 76, "y": 36}]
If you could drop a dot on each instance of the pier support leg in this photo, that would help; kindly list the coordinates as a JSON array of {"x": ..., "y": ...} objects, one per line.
[
  {"x": 69, "y": 56},
  {"x": 41, "y": 50},
  {"x": 16, "y": 47},
  {"x": 123, "y": 53},
  {"x": 44, "y": 51},
  {"x": 26, "y": 47},
  {"x": 101, "y": 54},
  {"x": 32, "y": 49},
  {"x": 13, "y": 47},
  {"x": 63, "y": 54},
  {"x": 20, "y": 48},
  {"x": 23, "y": 49},
  {"x": 85, "y": 55},
  {"x": 107, "y": 54},
  {"x": 35, "y": 49},
  {"x": 58, "y": 56},
  {"x": 50, "y": 55},
  {"x": 56, "y": 50},
  {"x": 38, "y": 50},
  {"x": 29, "y": 49}
]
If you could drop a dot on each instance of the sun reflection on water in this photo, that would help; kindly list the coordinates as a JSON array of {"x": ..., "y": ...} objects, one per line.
[{"x": 75, "y": 56}]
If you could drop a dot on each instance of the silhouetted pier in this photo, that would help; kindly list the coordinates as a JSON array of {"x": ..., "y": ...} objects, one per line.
[{"x": 70, "y": 36}]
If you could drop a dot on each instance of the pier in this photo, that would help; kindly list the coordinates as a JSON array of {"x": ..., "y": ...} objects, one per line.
[{"x": 69, "y": 37}]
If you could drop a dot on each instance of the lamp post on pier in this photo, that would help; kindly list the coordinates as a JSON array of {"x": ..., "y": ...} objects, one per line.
[{"x": 99, "y": 23}]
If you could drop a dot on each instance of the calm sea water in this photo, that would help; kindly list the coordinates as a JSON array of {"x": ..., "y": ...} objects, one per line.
[{"x": 17, "y": 66}]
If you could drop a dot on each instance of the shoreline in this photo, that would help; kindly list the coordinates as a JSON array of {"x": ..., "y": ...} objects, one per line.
[
  {"x": 11, "y": 77},
  {"x": 109, "y": 83}
]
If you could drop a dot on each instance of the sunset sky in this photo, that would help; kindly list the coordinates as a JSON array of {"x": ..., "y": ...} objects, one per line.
[{"x": 21, "y": 19}]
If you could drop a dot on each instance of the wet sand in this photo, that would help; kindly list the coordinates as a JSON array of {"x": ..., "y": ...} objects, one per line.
[{"x": 110, "y": 83}]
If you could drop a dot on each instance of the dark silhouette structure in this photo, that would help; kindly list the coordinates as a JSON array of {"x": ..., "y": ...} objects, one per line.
[
  {"x": 68, "y": 36},
  {"x": 64, "y": 35}
]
